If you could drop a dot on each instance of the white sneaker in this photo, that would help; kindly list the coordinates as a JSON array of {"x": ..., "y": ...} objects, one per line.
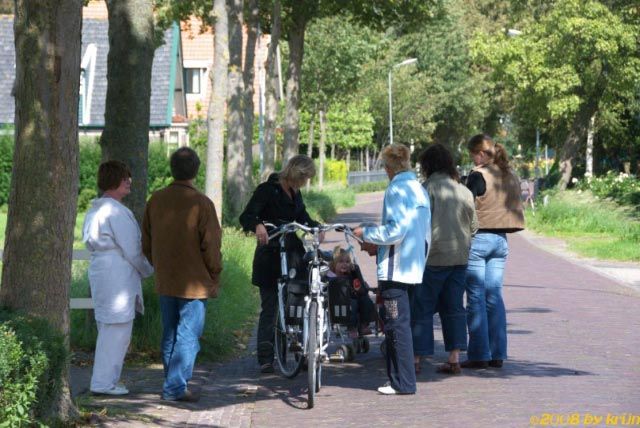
[
  {"x": 387, "y": 389},
  {"x": 116, "y": 390}
]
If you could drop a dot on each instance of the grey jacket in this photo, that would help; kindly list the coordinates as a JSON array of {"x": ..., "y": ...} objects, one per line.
[{"x": 453, "y": 221}]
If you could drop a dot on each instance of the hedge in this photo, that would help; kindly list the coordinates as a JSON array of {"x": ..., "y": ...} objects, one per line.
[{"x": 32, "y": 362}]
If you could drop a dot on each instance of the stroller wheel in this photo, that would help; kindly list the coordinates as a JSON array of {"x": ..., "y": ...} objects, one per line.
[
  {"x": 352, "y": 352},
  {"x": 357, "y": 344},
  {"x": 343, "y": 352},
  {"x": 365, "y": 345},
  {"x": 383, "y": 348}
]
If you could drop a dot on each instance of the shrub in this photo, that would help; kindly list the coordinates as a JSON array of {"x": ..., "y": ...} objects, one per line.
[
  {"x": 334, "y": 171},
  {"x": 31, "y": 366},
  {"x": 622, "y": 188},
  {"x": 6, "y": 162}
]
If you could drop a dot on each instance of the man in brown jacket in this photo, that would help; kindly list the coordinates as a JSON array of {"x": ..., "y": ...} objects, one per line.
[{"x": 181, "y": 237}]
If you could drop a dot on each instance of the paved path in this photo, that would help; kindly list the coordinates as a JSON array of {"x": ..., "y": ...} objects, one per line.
[{"x": 573, "y": 353}]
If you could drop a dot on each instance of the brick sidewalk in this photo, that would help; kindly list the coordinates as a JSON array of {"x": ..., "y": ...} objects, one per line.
[{"x": 573, "y": 348}]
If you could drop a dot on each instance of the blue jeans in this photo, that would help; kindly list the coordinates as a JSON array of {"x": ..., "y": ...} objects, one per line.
[
  {"x": 442, "y": 290},
  {"x": 486, "y": 315},
  {"x": 397, "y": 330},
  {"x": 182, "y": 325}
]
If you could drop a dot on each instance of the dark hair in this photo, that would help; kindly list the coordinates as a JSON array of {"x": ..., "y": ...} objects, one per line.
[
  {"x": 495, "y": 151},
  {"x": 437, "y": 158},
  {"x": 111, "y": 173},
  {"x": 184, "y": 164}
]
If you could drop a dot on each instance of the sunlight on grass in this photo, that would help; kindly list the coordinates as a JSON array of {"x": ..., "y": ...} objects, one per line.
[{"x": 592, "y": 227}]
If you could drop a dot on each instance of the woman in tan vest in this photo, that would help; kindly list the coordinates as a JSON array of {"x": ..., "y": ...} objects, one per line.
[{"x": 496, "y": 190}]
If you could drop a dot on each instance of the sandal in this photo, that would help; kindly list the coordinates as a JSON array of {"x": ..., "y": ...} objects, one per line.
[{"x": 449, "y": 368}]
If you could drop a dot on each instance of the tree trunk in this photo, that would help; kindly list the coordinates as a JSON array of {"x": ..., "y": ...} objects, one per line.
[
  {"x": 348, "y": 160},
  {"x": 217, "y": 103},
  {"x": 296, "y": 52},
  {"x": 321, "y": 147},
  {"x": 333, "y": 151},
  {"x": 127, "y": 110},
  {"x": 589, "y": 156},
  {"x": 312, "y": 126},
  {"x": 577, "y": 133},
  {"x": 366, "y": 158},
  {"x": 361, "y": 160},
  {"x": 249, "y": 77},
  {"x": 237, "y": 188},
  {"x": 36, "y": 275},
  {"x": 271, "y": 99}
]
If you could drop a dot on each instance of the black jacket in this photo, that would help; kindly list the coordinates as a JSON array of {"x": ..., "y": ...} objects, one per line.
[{"x": 270, "y": 203}]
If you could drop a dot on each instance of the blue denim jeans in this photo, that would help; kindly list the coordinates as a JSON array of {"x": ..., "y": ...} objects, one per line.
[
  {"x": 397, "y": 330},
  {"x": 486, "y": 315},
  {"x": 182, "y": 326},
  {"x": 442, "y": 290}
]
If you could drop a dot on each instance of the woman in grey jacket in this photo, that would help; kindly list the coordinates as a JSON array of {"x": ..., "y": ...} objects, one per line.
[{"x": 453, "y": 222}]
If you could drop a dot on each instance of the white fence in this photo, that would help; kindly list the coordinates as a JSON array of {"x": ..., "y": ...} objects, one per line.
[{"x": 76, "y": 302}]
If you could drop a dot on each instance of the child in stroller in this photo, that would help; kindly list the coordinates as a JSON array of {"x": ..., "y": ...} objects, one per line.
[{"x": 342, "y": 268}]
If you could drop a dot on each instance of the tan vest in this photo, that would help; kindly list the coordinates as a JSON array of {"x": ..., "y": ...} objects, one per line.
[{"x": 500, "y": 207}]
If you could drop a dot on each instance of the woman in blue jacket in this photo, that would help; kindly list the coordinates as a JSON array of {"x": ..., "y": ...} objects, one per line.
[{"x": 402, "y": 242}]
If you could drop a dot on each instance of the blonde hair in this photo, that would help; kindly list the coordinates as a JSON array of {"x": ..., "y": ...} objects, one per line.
[
  {"x": 298, "y": 170},
  {"x": 338, "y": 254},
  {"x": 396, "y": 157}
]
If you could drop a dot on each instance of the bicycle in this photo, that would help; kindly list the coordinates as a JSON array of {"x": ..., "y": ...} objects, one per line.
[{"x": 302, "y": 327}]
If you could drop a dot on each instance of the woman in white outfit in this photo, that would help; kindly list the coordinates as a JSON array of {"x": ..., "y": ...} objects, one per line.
[{"x": 117, "y": 266}]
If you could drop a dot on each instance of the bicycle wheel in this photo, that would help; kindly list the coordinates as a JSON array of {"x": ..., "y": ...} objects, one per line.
[
  {"x": 288, "y": 350},
  {"x": 312, "y": 357}
]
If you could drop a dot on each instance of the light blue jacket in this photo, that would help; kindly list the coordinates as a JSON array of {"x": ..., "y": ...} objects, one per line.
[{"x": 404, "y": 237}]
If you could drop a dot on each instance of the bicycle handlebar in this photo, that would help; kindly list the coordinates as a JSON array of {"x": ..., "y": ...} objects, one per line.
[{"x": 294, "y": 226}]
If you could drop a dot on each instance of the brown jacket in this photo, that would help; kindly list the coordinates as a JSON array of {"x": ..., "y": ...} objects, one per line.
[
  {"x": 500, "y": 207},
  {"x": 181, "y": 237}
]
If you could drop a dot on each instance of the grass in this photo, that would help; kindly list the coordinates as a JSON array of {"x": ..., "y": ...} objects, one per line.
[
  {"x": 323, "y": 205},
  {"x": 592, "y": 227}
]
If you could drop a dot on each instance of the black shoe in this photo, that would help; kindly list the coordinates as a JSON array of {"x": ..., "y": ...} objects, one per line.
[
  {"x": 496, "y": 364},
  {"x": 474, "y": 364},
  {"x": 190, "y": 396},
  {"x": 267, "y": 368}
]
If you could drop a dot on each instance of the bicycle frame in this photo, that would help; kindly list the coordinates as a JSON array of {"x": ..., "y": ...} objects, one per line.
[{"x": 315, "y": 332}]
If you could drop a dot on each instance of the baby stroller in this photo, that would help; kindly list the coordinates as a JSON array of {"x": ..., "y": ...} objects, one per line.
[{"x": 349, "y": 306}]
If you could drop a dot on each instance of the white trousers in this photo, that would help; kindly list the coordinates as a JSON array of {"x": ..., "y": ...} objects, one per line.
[{"x": 111, "y": 347}]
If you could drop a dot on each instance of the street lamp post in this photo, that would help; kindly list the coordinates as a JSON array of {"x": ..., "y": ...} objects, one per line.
[{"x": 405, "y": 62}]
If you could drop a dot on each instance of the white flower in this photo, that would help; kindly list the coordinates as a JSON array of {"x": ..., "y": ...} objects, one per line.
[{"x": 574, "y": 180}]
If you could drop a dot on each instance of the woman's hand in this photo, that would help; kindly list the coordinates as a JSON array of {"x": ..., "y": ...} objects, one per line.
[{"x": 261, "y": 234}]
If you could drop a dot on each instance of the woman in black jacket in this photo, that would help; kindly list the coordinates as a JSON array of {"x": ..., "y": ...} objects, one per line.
[{"x": 278, "y": 200}]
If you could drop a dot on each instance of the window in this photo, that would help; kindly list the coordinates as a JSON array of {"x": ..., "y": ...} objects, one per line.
[{"x": 193, "y": 80}]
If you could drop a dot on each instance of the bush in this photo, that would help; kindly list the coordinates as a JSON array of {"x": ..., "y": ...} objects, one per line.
[
  {"x": 622, "y": 188},
  {"x": 335, "y": 171},
  {"x": 6, "y": 162},
  {"x": 31, "y": 366}
]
